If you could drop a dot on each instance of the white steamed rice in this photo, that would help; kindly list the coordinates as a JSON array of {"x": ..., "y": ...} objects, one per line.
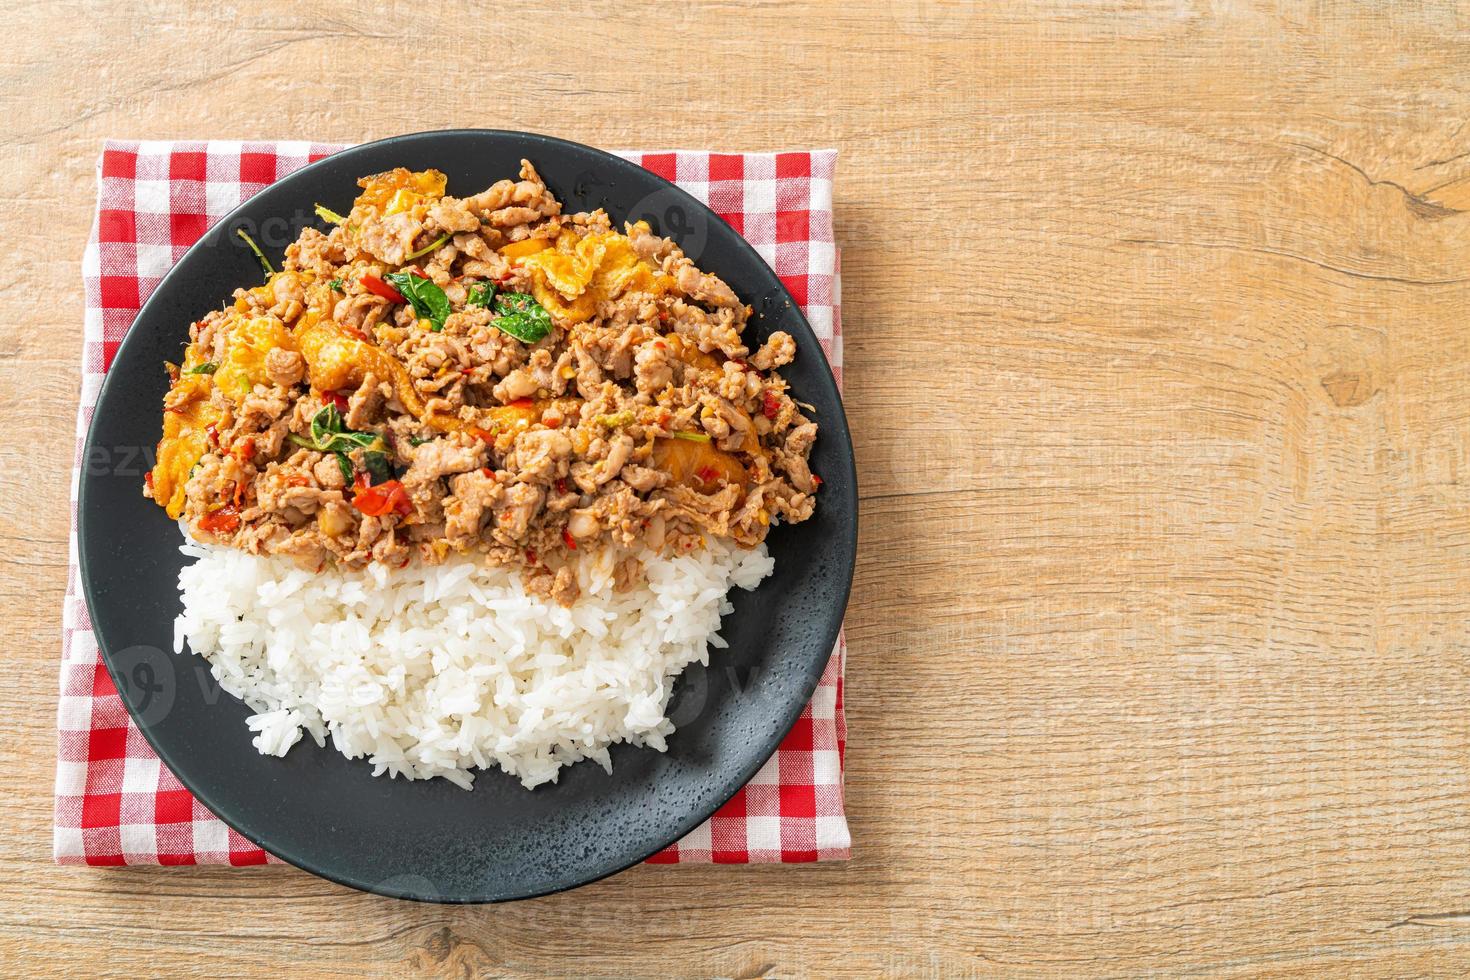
[{"x": 440, "y": 670}]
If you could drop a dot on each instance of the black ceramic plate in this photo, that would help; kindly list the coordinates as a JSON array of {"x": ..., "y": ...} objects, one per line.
[{"x": 430, "y": 840}]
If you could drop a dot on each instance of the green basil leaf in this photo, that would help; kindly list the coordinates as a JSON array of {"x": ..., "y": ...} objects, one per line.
[
  {"x": 521, "y": 317},
  {"x": 345, "y": 465},
  {"x": 324, "y": 424},
  {"x": 208, "y": 367},
  {"x": 377, "y": 464},
  {"x": 416, "y": 441},
  {"x": 428, "y": 300},
  {"x": 330, "y": 435},
  {"x": 337, "y": 284},
  {"x": 481, "y": 294},
  {"x": 345, "y": 442}
]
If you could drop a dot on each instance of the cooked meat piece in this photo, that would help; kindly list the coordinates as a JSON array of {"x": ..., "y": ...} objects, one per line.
[
  {"x": 284, "y": 367},
  {"x": 307, "y": 548},
  {"x": 291, "y": 491},
  {"x": 705, "y": 288},
  {"x": 431, "y": 462},
  {"x": 314, "y": 252},
  {"x": 515, "y": 510},
  {"x": 778, "y": 351},
  {"x": 520, "y": 383},
  {"x": 650, "y": 248},
  {"x": 471, "y": 496},
  {"x": 442, "y": 457},
  {"x": 360, "y": 312},
  {"x": 620, "y": 450},
  {"x": 452, "y": 215},
  {"x": 540, "y": 456},
  {"x": 642, "y": 478},
  {"x": 564, "y": 588},
  {"x": 509, "y": 203},
  {"x": 328, "y": 473},
  {"x": 390, "y": 238},
  {"x": 364, "y": 404},
  {"x": 256, "y": 413},
  {"x": 799, "y": 440},
  {"x": 289, "y": 296},
  {"x": 652, "y": 369}
]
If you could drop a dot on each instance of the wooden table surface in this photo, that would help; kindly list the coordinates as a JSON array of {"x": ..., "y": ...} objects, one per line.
[{"x": 1157, "y": 368}]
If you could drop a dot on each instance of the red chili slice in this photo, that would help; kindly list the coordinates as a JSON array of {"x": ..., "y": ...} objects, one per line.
[
  {"x": 770, "y": 406},
  {"x": 707, "y": 474},
  {"x": 378, "y": 287},
  {"x": 566, "y": 536},
  {"x": 226, "y": 520},
  {"x": 387, "y": 497},
  {"x": 338, "y": 399}
]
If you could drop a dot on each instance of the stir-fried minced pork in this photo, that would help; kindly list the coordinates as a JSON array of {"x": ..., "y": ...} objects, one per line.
[{"x": 440, "y": 375}]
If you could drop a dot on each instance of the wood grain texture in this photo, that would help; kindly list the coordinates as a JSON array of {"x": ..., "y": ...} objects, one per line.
[{"x": 1157, "y": 367}]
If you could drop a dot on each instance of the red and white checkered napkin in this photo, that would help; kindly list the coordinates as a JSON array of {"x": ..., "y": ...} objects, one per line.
[{"x": 115, "y": 802}]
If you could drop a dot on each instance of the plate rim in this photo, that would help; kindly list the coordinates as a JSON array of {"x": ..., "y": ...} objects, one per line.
[{"x": 848, "y": 534}]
